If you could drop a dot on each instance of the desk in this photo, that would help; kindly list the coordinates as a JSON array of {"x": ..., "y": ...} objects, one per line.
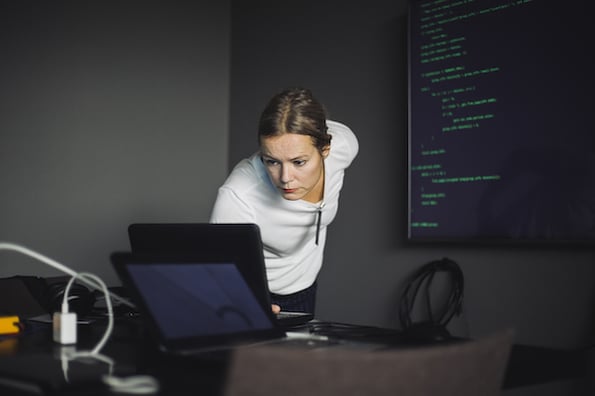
[
  {"x": 531, "y": 365},
  {"x": 31, "y": 364}
]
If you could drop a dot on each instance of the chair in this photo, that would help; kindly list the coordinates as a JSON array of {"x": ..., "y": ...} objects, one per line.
[{"x": 466, "y": 368}]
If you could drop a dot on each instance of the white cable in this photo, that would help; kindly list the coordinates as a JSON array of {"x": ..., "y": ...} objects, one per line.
[
  {"x": 110, "y": 311},
  {"x": 60, "y": 267},
  {"x": 136, "y": 384}
]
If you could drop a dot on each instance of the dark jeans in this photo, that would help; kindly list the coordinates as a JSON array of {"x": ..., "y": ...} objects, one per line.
[{"x": 302, "y": 301}]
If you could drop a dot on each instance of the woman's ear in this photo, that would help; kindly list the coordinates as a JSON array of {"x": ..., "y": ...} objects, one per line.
[{"x": 326, "y": 150}]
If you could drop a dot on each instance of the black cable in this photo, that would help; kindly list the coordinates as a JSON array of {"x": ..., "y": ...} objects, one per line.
[
  {"x": 424, "y": 277},
  {"x": 353, "y": 332}
]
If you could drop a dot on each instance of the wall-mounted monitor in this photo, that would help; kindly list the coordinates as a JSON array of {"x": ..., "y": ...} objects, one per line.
[{"x": 501, "y": 121}]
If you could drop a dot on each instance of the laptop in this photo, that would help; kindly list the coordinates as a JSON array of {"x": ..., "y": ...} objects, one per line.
[
  {"x": 196, "y": 305},
  {"x": 239, "y": 242}
]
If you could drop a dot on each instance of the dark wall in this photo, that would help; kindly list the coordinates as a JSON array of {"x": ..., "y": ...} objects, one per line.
[
  {"x": 354, "y": 59},
  {"x": 111, "y": 112}
]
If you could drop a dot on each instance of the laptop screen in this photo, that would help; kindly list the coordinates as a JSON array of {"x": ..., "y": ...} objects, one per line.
[
  {"x": 193, "y": 303},
  {"x": 198, "y": 299},
  {"x": 240, "y": 244}
]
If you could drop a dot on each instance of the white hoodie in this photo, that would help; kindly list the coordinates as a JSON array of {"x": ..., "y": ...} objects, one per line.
[{"x": 288, "y": 228}]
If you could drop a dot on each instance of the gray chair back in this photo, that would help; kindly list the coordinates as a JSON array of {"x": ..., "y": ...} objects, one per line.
[{"x": 469, "y": 368}]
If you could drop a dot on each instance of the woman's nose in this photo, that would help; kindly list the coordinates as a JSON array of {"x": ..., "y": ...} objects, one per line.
[{"x": 286, "y": 176}]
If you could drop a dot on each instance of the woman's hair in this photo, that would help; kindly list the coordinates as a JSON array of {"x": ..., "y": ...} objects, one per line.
[{"x": 295, "y": 110}]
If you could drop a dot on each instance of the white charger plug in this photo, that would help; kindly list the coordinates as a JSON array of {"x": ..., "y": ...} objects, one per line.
[
  {"x": 64, "y": 327},
  {"x": 64, "y": 322}
]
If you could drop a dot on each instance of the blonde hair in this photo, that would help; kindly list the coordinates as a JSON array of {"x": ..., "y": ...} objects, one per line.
[{"x": 295, "y": 110}]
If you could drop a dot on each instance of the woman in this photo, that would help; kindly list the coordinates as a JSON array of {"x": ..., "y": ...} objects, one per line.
[{"x": 290, "y": 189}]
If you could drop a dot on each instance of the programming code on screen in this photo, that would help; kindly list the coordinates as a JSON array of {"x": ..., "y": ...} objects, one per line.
[{"x": 501, "y": 142}]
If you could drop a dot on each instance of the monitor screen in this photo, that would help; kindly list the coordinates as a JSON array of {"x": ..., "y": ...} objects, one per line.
[
  {"x": 501, "y": 140},
  {"x": 197, "y": 299}
]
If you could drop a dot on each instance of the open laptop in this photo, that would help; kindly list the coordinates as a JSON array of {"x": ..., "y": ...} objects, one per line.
[
  {"x": 240, "y": 243},
  {"x": 196, "y": 305}
]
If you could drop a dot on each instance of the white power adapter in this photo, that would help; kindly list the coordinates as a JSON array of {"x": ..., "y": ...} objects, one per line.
[
  {"x": 64, "y": 327},
  {"x": 64, "y": 323}
]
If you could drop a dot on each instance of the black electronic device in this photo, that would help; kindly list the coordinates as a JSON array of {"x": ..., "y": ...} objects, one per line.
[
  {"x": 240, "y": 243},
  {"x": 501, "y": 144},
  {"x": 198, "y": 305},
  {"x": 194, "y": 304},
  {"x": 31, "y": 296}
]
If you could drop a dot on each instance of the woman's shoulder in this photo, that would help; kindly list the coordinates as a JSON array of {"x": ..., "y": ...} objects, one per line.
[
  {"x": 246, "y": 174},
  {"x": 344, "y": 141}
]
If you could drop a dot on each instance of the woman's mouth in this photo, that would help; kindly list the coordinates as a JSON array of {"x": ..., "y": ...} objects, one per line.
[{"x": 288, "y": 190}]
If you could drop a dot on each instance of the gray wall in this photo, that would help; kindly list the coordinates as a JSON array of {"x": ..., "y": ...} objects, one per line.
[
  {"x": 111, "y": 112},
  {"x": 354, "y": 58}
]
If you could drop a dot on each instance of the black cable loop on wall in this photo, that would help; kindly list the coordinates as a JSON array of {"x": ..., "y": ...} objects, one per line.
[{"x": 424, "y": 278}]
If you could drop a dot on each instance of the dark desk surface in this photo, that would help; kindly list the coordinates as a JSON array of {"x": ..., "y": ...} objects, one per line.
[{"x": 31, "y": 362}]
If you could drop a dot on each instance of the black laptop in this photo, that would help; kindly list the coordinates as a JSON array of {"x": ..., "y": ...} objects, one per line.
[
  {"x": 196, "y": 306},
  {"x": 239, "y": 243}
]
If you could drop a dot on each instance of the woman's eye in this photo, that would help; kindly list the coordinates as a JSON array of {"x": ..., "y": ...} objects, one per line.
[
  {"x": 270, "y": 162},
  {"x": 299, "y": 162}
]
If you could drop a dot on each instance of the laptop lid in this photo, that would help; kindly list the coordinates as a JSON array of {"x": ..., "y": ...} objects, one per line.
[
  {"x": 240, "y": 243},
  {"x": 194, "y": 303}
]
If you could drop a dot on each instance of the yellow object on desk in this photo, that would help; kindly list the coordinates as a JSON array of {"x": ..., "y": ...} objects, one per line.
[{"x": 9, "y": 324}]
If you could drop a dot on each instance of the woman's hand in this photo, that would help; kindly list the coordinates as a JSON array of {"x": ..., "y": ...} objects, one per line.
[{"x": 276, "y": 309}]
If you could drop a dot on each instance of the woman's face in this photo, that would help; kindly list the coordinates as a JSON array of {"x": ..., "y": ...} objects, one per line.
[{"x": 295, "y": 166}]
